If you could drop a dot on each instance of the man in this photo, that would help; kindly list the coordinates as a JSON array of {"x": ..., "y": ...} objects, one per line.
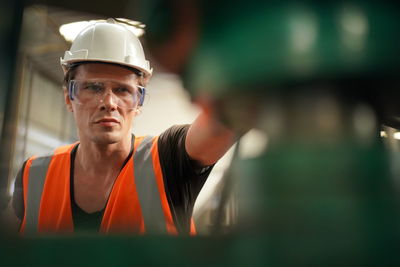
[{"x": 111, "y": 181}]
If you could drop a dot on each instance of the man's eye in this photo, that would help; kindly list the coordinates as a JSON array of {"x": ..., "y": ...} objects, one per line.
[
  {"x": 93, "y": 87},
  {"x": 124, "y": 90}
]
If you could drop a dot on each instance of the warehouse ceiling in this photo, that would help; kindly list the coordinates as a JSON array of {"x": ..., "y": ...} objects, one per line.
[
  {"x": 41, "y": 41},
  {"x": 171, "y": 22}
]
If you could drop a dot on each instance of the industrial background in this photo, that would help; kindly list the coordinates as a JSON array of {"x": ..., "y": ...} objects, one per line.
[{"x": 315, "y": 183}]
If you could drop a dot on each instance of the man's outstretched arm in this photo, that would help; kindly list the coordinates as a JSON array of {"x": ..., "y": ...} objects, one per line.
[{"x": 208, "y": 139}]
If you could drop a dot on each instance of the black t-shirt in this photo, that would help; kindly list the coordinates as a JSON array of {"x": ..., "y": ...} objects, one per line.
[{"x": 183, "y": 180}]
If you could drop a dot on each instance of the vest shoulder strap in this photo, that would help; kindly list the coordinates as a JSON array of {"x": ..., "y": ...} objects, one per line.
[
  {"x": 33, "y": 184},
  {"x": 150, "y": 188}
]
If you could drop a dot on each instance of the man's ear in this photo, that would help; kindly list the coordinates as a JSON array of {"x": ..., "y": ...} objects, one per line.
[{"x": 67, "y": 100}]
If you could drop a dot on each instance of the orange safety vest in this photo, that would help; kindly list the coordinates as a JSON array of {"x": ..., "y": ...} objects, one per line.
[{"x": 137, "y": 203}]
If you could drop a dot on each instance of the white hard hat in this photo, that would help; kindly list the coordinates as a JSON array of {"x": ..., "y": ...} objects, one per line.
[{"x": 110, "y": 42}]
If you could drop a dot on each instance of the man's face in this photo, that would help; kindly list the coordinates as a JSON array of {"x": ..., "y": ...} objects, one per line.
[{"x": 103, "y": 122}]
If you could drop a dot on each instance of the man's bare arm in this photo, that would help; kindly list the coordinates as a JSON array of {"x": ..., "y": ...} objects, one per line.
[{"x": 208, "y": 139}]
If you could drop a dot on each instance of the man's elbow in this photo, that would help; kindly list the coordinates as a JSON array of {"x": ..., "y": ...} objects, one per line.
[{"x": 208, "y": 151}]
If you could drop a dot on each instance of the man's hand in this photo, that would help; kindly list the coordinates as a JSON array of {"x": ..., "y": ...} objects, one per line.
[{"x": 218, "y": 127}]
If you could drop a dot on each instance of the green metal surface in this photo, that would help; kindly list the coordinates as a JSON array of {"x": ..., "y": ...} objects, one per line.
[{"x": 278, "y": 43}]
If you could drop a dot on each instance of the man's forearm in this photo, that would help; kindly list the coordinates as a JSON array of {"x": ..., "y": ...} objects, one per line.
[{"x": 208, "y": 140}]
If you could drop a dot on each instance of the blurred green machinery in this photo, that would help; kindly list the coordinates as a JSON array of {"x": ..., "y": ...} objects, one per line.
[{"x": 318, "y": 79}]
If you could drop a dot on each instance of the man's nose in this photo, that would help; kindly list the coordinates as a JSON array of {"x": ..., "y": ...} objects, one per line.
[{"x": 109, "y": 101}]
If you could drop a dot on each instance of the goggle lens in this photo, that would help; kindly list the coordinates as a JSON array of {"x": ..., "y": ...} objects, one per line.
[{"x": 93, "y": 92}]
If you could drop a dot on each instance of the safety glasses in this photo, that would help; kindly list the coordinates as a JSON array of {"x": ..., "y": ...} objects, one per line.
[{"x": 94, "y": 92}]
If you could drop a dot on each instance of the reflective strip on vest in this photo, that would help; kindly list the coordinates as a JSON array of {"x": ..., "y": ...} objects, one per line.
[
  {"x": 37, "y": 176},
  {"x": 147, "y": 189}
]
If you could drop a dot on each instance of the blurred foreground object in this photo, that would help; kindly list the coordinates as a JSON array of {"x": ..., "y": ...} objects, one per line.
[
  {"x": 10, "y": 25},
  {"x": 324, "y": 77}
]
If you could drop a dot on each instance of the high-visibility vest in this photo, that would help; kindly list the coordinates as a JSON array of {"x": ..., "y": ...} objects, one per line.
[{"x": 137, "y": 203}]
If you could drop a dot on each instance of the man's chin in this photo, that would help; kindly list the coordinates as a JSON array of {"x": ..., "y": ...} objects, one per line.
[{"x": 107, "y": 138}]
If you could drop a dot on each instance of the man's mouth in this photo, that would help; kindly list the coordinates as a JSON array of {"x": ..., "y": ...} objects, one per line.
[{"x": 107, "y": 121}]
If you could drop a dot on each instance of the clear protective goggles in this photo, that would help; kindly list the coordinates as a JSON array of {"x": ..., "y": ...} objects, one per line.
[{"x": 93, "y": 92}]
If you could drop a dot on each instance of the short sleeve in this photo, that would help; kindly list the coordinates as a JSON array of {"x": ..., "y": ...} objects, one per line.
[{"x": 183, "y": 177}]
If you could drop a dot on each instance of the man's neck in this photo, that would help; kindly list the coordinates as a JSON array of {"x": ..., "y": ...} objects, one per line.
[{"x": 102, "y": 159}]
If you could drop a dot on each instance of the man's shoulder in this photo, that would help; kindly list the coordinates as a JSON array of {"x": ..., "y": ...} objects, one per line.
[
  {"x": 65, "y": 149},
  {"x": 168, "y": 139},
  {"x": 59, "y": 151},
  {"x": 175, "y": 131}
]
